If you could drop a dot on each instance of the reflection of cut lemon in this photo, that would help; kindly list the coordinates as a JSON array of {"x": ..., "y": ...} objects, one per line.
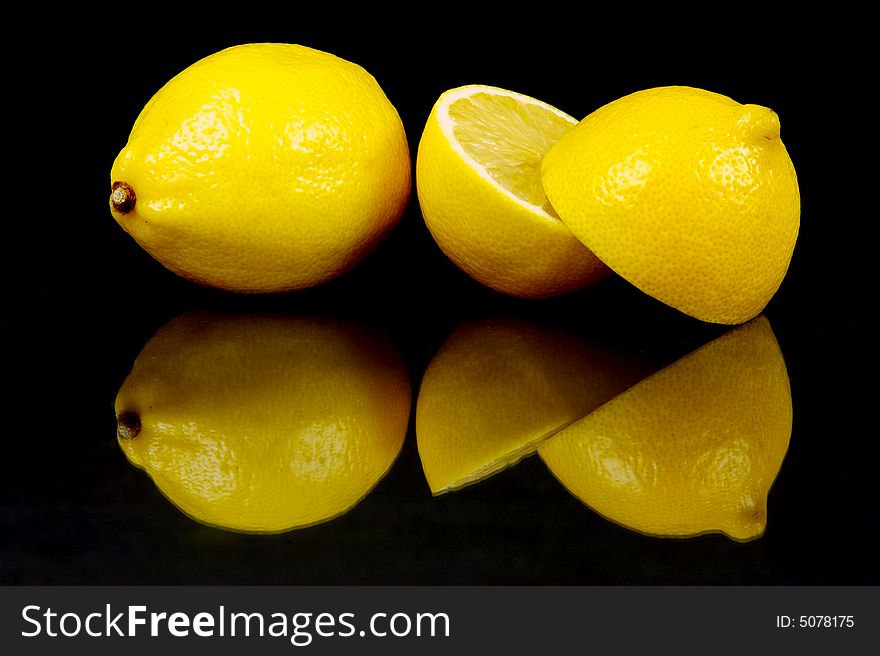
[
  {"x": 263, "y": 424},
  {"x": 496, "y": 389},
  {"x": 479, "y": 185},
  {"x": 693, "y": 449}
]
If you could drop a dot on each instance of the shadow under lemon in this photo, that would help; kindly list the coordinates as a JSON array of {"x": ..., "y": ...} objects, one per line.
[
  {"x": 693, "y": 449},
  {"x": 497, "y": 388},
  {"x": 263, "y": 424}
]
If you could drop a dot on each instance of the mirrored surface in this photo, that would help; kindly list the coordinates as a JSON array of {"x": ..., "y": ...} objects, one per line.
[{"x": 83, "y": 301}]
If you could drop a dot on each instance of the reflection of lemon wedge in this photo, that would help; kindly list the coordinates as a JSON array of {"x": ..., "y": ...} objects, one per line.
[
  {"x": 693, "y": 449},
  {"x": 479, "y": 185},
  {"x": 496, "y": 389},
  {"x": 263, "y": 424}
]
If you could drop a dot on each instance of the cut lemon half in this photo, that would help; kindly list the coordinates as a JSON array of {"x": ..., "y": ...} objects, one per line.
[
  {"x": 685, "y": 193},
  {"x": 478, "y": 178}
]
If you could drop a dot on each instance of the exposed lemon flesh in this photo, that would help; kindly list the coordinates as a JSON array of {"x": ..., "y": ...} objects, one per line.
[{"x": 507, "y": 138}]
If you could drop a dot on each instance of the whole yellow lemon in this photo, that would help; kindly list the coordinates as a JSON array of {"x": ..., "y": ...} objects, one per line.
[
  {"x": 263, "y": 168},
  {"x": 263, "y": 424},
  {"x": 685, "y": 193}
]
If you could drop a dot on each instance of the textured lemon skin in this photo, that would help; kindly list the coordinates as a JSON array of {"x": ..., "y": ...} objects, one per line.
[
  {"x": 685, "y": 193},
  {"x": 497, "y": 388},
  {"x": 265, "y": 168},
  {"x": 493, "y": 238},
  {"x": 693, "y": 449},
  {"x": 263, "y": 424}
]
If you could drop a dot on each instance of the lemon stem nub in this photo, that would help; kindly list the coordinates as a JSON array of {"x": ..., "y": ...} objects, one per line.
[
  {"x": 128, "y": 425},
  {"x": 122, "y": 198}
]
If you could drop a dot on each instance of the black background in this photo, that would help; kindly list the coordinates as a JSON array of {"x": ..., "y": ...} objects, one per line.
[{"x": 81, "y": 299}]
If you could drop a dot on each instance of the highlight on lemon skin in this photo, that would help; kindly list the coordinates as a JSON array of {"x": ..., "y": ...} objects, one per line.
[
  {"x": 263, "y": 168},
  {"x": 685, "y": 193},
  {"x": 693, "y": 449},
  {"x": 479, "y": 188},
  {"x": 497, "y": 388},
  {"x": 264, "y": 424}
]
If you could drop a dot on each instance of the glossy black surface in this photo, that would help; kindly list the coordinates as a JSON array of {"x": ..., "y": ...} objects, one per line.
[{"x": 82, "y": 298}]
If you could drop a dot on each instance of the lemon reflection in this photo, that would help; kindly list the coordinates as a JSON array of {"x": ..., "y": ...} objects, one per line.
[
  {"x": 264, "y": 423},
  {"x": 693, "y": 449},
  {"x": 497, "y": 388}
]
